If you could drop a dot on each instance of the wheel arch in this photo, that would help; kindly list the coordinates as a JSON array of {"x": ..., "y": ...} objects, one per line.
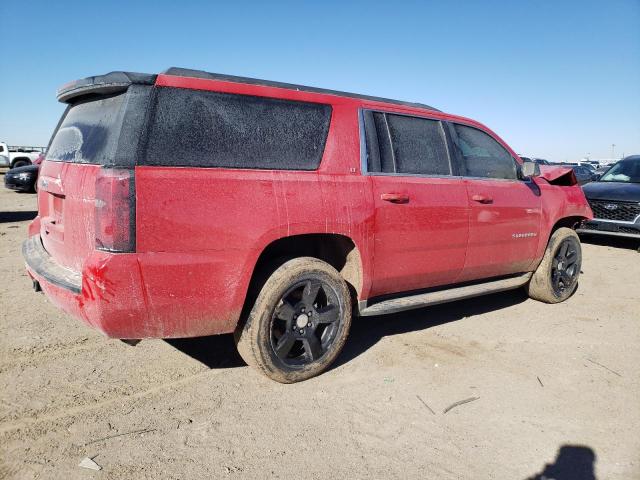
[
  {"x": 18, "y": 159},
  {"x": 569, "y": 221},
  {"x": 338, "y": 250}
]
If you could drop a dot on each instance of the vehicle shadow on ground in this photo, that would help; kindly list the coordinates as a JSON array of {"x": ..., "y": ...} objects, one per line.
[
  {"x": 215, "y": 351},
  {"x": 8, "y": 217},
  {"x": 573, "y": 462},
  {"x": 219, "y": 351},
  {"x": 615, "y": 242},
  {"x": 367, "y": 331}
]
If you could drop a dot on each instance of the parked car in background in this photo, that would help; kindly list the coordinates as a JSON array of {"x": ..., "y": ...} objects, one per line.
[
  {"x": 14, "y": 157},
  {"x": 615, "y": 200},
  {"x": 589, "y": 167},
  {"x": 583, "y": 174},
  {"x": 22, "y": 179},
  {"x": 538, "y": 161},
  {"x": 603, "y": 168},
  {"x": 275, "y": 211},
  {"x": 541, "y": 161},
  {"x": 4, "y": 155},
  {"x": 594, "y": 163}
]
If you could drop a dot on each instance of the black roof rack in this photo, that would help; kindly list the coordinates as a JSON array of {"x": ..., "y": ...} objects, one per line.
[{"x": 186, "y": 72}]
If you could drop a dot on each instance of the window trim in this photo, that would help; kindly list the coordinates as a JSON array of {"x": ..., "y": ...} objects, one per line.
[
  {"x": 460, "y": 160},
  {"x": 367, "y": 127}
]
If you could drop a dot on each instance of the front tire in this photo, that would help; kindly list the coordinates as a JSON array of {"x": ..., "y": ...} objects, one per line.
[
  {"x": 299, "y": 322},
  {"x": 556, "y": 278}
]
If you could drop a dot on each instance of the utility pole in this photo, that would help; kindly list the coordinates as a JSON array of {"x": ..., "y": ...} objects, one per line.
[{"x": 613, "y": 147}]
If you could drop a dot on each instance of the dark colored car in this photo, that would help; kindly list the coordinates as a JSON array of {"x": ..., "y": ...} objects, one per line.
[
  {"x": 601, "y": 169},
  {"x": 541, "y": 161},
  {"x": 22, "y": 179},
  {"x": 583, "y": 174},
  {"x": 615, "y": 200}
]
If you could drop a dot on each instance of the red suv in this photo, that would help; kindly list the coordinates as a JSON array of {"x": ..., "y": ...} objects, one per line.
[{"x": 190, "y": 203}]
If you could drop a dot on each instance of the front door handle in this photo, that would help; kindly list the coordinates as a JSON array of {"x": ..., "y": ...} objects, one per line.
[
  {"x": 482, "y": 199},
  {"x": 395, "y": 197}
]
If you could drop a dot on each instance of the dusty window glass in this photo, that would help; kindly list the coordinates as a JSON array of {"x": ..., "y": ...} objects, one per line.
[
  {"x": 483, "y": 156},
  {"x": 211, "y": 129},
  {"x": 418, "y": 145},
  {"x": 387, "y": 163},
  {"x": 89, "y": 132},
  {"x": 409, "y": 145}
]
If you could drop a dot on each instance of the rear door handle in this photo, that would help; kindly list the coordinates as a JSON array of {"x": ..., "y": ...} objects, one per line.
[
  {"x": 395, "y": 197},
  {"x": 482, "y": 199}
]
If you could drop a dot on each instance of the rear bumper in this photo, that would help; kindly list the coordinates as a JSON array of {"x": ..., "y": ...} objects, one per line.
[
  {"x": 111, "y": 295},
  {"x": 40, "y": 262}
]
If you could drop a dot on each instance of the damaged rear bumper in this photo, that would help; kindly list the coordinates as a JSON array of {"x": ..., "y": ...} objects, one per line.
[
  {"x": 138, "y": 295},
  {"x": 41, "y": 263}
]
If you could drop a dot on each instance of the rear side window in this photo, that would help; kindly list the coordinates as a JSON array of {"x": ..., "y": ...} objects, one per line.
[
  {"x": 482, "y": 156},
  {"x": 407, "y": 144},
  {"x": 210, "y": 129},
  {"x": 89, "y": 132}
]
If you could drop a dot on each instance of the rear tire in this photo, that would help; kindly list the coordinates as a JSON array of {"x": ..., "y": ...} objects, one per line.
[
  {"x": 299, "y": 322},
  {"x": 556, "y": 278}
]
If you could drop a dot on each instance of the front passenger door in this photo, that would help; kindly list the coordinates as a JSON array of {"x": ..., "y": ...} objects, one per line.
[{"x": 504, "y": 220}]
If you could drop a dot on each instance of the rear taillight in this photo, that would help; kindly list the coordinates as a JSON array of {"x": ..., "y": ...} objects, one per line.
[{"x": 115, "y": 210}]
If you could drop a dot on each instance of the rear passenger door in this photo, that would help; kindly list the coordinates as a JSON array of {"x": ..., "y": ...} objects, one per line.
[
  {"x": 421, "y": 209},
  {"x": 504, "y": 210}
]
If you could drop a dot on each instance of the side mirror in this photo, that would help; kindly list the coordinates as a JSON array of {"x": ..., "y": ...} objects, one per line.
[
  {"x": 530, "y": 169},
  {"x": 595, "y": 177}
]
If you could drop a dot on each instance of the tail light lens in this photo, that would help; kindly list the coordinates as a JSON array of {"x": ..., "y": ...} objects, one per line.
[{"x": 115, "y": 210}]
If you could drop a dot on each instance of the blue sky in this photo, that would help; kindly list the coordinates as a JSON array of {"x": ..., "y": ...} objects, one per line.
[{"x": 556, "y": 79}]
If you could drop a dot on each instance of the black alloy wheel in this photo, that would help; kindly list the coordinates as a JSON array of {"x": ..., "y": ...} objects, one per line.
[
  {"x": 565, "y": 266},
  {"x": 305, "y": 322},
  {"x": 299, "y": 321}
]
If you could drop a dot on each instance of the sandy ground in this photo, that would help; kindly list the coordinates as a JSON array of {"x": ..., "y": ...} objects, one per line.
[{"x": 558, "y": 388}]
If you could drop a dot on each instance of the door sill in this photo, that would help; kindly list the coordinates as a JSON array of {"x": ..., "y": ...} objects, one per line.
[{"x": 411, "y": 302}]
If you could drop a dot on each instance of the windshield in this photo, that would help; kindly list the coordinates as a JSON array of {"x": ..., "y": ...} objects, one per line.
[{"x": 627, "y": 172}]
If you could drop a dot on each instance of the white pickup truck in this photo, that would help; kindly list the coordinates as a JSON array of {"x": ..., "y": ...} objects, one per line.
[{"x": 18, "y": 156}]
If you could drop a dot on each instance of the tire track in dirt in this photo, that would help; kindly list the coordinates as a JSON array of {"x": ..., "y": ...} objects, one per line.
[
  {"x": 74, "y": 411},
  {"x": 36, "y": 354}
]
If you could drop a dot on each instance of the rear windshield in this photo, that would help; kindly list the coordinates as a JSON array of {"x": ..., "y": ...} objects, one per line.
[
  {"x": 89, "y": 132},
  {"x": 209, "y": 129}
]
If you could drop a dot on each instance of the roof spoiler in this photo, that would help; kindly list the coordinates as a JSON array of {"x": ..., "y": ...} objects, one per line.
[{"x": 109, "y": 83}]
